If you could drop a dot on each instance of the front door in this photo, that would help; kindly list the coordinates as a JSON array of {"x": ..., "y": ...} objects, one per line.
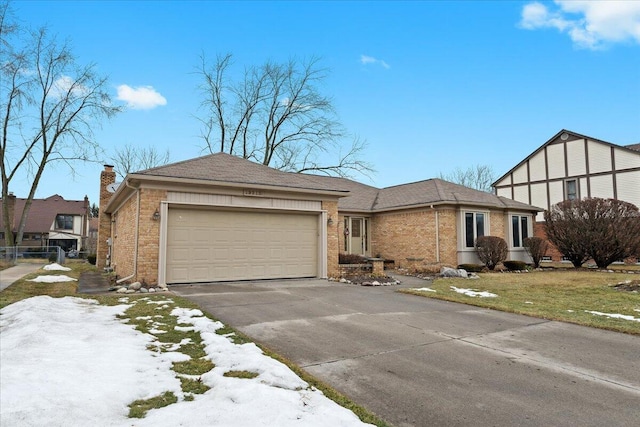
[{"x": 357, "y": 236}]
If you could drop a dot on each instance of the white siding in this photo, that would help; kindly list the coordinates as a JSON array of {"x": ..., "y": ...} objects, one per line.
[
  {"x": 539, "y": 195},
  {"x": 505, "y": 181},
  {"x": 555, "y": 156},
  {"x": 556, "y": 192},
  {"x": 599, "y": 157},
  {"x": 520, "y": 174},
  {"x": 629, "y": 187},
  {"x": 602, "y": 186},
  {"x": 521, "y": 193},
  {"x": 576, "y": 159},
  {"x": 536, "y": 167},
  {"x": 626, "y": 160},
  {"x": 504, "y": 192},
  {"x": 582, "y": 188}
]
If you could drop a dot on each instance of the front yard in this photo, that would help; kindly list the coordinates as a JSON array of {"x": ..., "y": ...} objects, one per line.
[
  {"x": 584, "y": 297},
  {"x": 144, "y": 359}
]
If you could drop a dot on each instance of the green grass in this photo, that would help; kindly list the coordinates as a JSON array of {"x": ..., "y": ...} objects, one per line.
[
  {"x": 240, "y": 374},
  {"x": 143, "y": 317},
  {"x": 139, "y": 408},
  {"x": 193, "y": 386},
  {"x": 556, "y": 295}
]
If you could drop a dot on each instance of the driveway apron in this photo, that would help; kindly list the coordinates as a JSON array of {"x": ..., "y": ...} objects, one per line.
[{"x": 422, "y": 362}]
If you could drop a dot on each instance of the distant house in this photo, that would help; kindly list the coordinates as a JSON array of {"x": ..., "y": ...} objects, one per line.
[
  {"x": 221, "y": 217},
  {"x": 53, "y": 221},
  {"x": 573, "y": 166}
]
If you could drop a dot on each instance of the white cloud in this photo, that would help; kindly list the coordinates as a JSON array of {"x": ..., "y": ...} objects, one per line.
[
  {"x": 591, "y": 24},
  {"x": 365, "y": 60},
  {"x": 141, "y": 97},
  {"x": 65, "y": 85}
]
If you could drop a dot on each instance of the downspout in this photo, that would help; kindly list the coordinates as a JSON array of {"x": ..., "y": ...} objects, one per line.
[
  {"x": 135, "y": 247},
  {"x": 435, "y": 211}
]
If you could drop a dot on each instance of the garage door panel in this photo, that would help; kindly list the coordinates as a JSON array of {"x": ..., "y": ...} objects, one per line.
[{"x": 216, "y": 245}]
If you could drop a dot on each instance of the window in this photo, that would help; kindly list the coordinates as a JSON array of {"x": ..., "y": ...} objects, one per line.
[
  {"x": 519, "y": 230},
  {"x": 571, "y": 189},
  {"x": 474, "y": 226},
  {"x": 64, "y": 222}
]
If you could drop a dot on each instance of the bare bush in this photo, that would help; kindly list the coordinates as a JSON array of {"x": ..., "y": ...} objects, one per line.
[
  {"x": 536, "y": 247},
  {"x": 605, "y": 230},
  {"x": 491, "y": 250}
]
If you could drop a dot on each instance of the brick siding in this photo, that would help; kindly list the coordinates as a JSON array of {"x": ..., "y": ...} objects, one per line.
[
  {"x": 107, "y": 176},
  {"x": 332, "y": 238}
]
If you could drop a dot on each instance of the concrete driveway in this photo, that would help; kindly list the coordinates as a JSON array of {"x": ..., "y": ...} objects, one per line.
[{"x": 421, "y": 362}]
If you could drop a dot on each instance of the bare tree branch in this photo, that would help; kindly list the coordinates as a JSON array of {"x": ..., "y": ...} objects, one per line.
[
  {"x": 50, "y": 105},
  {"x": 276, "y": 116},
  {"x": 479, "y": 177},
  {"x": 131, "y": 159}
]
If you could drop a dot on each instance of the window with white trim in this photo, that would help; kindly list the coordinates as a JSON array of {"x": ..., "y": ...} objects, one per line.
[
  {"x": 474, "y": 227},
  {"x": 519, "y": 230}
]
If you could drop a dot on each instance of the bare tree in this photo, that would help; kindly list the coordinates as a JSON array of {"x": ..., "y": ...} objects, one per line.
[
  {"x": 479, "y": 177},
  {"x": 132, "y": 159},
  {"x": 605, "y": 230},
  {"x": 276, "y": 116},
  {"x": 49, "y": 106}
]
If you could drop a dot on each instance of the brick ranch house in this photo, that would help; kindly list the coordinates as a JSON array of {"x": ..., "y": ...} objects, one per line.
[{"x": 221, "y": 217}]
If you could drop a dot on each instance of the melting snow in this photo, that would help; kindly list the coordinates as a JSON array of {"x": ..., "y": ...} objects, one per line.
[
  {"x": 70, "y": 361},
  {"x": 472, "y": 293},
  {"x": 55, "y": 267},
  {"x": 615, "y": 316},
  {"x": 53, "y": 278},
  {"x": 424, "y": 289}
]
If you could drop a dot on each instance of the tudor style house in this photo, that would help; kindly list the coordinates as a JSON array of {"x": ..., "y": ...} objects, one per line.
[
  {"x": 53, "y": 221},
  {"x": 221, "y": 217},
  {"x": 573, "y": 166}
]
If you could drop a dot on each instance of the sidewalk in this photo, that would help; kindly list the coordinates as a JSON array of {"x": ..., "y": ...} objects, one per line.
[{"x": 11, "y": 274}]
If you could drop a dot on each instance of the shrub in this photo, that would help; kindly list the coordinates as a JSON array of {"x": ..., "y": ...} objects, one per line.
[
  {"x": 351, "y": 259},
  {"x": 92, "y": 259},
  {"x": 491, "y": 250},
  {"x": 536, "y": 248},
  {"x": 53, "y": 257},
  {"x": 606, "y": 230},
  {"x": 513, "y": 265},
  {"x": 472, "y": 268}
]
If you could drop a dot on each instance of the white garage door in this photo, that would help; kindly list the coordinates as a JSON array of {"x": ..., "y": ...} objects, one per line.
[{"x": 216, "y": 245}]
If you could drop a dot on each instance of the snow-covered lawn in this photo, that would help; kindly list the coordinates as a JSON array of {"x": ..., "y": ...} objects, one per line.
[{"x": 72, "y": 362}]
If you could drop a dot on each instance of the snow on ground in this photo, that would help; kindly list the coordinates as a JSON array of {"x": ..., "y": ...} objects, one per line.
[
  {"x": 55, "y": 267},
  {"x": 424, "y": 289},
  {"x": 615, "y": 316},
  {"x": 472, "y": 293},
  {"x": 70, "y": 361},
  {"x": 53, "y": 278}
]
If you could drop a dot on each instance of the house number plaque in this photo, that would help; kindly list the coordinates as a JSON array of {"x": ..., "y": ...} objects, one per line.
[{"x": 250, "y": 192}]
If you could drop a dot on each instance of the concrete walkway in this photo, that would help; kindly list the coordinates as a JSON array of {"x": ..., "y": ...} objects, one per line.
[
  {"x": 18, "y": 271},
  {"x": 423, "y": 362}
]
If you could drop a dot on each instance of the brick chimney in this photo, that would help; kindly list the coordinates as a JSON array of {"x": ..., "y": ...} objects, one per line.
[{"x": 107, "y": 176}]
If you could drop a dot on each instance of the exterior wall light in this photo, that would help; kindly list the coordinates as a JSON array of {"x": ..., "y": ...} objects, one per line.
[
  {"x": 156, "y": 215},
  {"x": 330, "y": 221}
]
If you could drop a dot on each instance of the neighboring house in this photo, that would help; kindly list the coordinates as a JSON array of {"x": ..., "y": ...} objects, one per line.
[
  {"x": 53, "y": 221},
  {"x": 221, "y": 217},
  {"x": 573, "y": 166}
]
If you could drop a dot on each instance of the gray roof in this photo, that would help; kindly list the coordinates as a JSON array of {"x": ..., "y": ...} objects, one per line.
[
  {"x": 222, "y": 167},
  {"x": 360, "y": 197},
  {"x": 635, "y": 147}
]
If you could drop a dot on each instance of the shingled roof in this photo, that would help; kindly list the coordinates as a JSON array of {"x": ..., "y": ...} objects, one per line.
[
  {"x": 225, "y": 168},
  {"x": 43, "y": 212}
]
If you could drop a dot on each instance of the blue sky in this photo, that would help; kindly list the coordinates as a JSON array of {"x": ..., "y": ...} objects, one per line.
[{"x": 431, "y": 86}]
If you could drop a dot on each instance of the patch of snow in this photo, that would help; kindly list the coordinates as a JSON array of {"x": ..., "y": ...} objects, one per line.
[
  {"x": 53, "y": 279},
  {"x": 637, "y": 309},
  {"x": 528, "y": 302},
  {"x": 55, "y": 350},
  {"x": 423, "y": 289},
  {"x": 570, "y": 311},
  {"x": 615, "y": 316},
  {"x": 55, "y": 267},
  {"x": 472, "y": 293}
]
